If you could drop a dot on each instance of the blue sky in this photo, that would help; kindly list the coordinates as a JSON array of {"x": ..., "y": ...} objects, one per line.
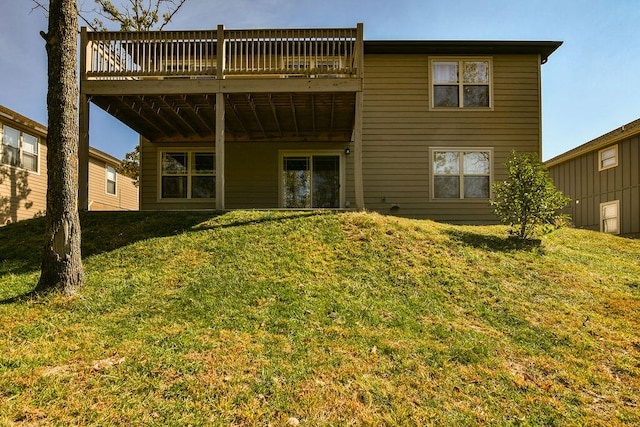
[{"x": 590, "y": 85}]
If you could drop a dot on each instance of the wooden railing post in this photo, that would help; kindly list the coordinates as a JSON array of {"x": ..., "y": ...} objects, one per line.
[{"x": 221, "y": 53}]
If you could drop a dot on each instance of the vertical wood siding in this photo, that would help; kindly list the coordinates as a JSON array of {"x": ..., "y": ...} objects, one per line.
[
  {"x": 580, "y": 179},
  {"x": 399, "y": 129}
]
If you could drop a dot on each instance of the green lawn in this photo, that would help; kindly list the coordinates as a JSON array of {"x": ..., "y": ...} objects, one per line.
[{"x": 265, "y": 318}]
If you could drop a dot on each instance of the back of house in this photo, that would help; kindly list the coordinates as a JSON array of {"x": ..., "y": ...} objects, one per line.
[
  {"x": 602, "y": 178},
  {"x": 318, "y": 118}
]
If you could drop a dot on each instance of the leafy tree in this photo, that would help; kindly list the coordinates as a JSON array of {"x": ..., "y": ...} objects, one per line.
[
  {"x": 138, "y": 15},
  {"x": 61, "y": 262},
  {"x": 528, "y": 198},
  {"x": 130, "y": 165}
]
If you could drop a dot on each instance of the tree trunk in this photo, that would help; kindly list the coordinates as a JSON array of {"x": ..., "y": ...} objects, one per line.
[{"x": 61, "y": 263}]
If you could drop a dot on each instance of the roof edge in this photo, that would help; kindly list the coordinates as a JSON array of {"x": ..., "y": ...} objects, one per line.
[
  {"x": 618, "y": 134},
  {"x": 462, "y": 47}
]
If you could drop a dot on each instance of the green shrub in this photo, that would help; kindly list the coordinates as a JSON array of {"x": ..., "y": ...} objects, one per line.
[{"x": 528, "y": 199}]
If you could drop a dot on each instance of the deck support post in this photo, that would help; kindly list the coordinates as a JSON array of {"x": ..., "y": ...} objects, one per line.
[
  {"x": 220, "y": 151},
  {"x": 220, "y": 113},
  {"x": 83, "y": 154},
  {"x": 357, "y": 131}
]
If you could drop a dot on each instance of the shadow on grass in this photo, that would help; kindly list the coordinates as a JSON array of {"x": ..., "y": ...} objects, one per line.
[
  {"x": 21, "y": 243},
  {"x": 495, "y": 243}
]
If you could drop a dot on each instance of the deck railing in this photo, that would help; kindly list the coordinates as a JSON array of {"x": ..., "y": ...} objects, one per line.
[{"x": 221, "y": 53}]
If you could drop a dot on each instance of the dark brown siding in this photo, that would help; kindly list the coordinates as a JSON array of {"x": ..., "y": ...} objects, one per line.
[{"x": 580, "y": 179}]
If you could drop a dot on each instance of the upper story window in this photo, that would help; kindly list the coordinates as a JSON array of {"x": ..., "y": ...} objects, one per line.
[
  {"x": 19, "y": 149},
  {"x": 461, "y": 83},
  {"x": 461, "y": 174},
  {"x": 188, "y": 175},
  {"x": 608, "y": 158},
  {"x": 111, "y": 180}
]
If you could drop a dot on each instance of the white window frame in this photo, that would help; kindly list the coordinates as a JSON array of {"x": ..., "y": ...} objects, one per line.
[
  {"x": 605, "y": 228},
  {"x": 107, "y": 169},
  {"x": 310, "y": 153},
  {"x": 461, "y": 84},
  {"x": 602, "y": 160},
  {"x": 461, "y": 174},
  {"x": 21, "y": 151},
  {"x": 190, "y": 152}
]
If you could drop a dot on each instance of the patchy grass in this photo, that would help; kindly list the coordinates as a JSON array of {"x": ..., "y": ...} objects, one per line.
[{"x": 251, "y": 318}]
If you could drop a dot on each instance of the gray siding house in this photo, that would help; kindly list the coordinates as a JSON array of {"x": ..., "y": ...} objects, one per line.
[{"x": 602, "y": 177}]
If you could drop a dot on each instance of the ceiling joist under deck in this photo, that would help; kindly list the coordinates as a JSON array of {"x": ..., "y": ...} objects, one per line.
[{"x": 249, "y": 116}]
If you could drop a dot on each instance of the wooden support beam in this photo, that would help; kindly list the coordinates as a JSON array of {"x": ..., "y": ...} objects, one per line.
[
  {"x": 274, "y": 110},
  {"x": 196, "y": 115},
  {"x": 231, "y": 85},
  {"x": 234, "y": 112},
  {"x": 83, "y": 153},
  {"x": 220, "y": 154},
  {"x": 313, "y": 115},
  {"x": 332, "y": 113},
  {"x": 293, "y": 112},
  {"x": 357, "y": 153},
  {"x": 252, "y": 104}
]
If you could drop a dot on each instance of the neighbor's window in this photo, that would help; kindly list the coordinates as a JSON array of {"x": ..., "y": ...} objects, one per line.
[
  {"x": 461, "y": 174},
  {"x": 19, "y": 149},
  {"x": 609, "y": 217},
  {"x": 111, "y": 180},
  {"x": 463, "y": 83},
  {"x": 188, "y": 175},
  {"x": 608, "y": 158}
]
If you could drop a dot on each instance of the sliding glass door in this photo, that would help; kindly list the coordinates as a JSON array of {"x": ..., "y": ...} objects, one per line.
[{"x": 311, "y": 181}]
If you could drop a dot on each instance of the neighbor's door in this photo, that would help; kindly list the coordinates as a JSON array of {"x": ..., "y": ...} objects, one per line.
[{"x": 311, "y": 181}]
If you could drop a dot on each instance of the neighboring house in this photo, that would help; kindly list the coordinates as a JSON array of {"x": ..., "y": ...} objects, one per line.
[
  {"x": 317, "y": 118},
  {"x": 23, "y": 173},
  {"x": 602, "y": 178}
]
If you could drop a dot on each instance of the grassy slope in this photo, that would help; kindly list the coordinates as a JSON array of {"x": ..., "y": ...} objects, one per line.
[{"x": 334, "y": 319}]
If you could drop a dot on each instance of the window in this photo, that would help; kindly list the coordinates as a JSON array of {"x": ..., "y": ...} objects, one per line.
[
  {"x": 608, "y": 158},
  {"x": 111, "y": 180},
  {"x": 609, "y": 217},
  {"x": 188, "y": 175},
  {"x": 19, "y": 149},
  {"x": 311, "y": 180},
  {"x": 463, "y": 83},
  {"x": 461, "y": 174}
]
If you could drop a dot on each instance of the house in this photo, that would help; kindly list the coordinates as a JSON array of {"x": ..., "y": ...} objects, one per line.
[
  {"x": 602, "y": 178},
  {"x": 23, "y": 173},
  {"x": 317, "y": 118}
]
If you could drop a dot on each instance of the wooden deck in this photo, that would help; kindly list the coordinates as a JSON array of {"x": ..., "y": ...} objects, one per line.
[
  {"x": 218, "y": 86},
  {"x": 293, "y": 84}
]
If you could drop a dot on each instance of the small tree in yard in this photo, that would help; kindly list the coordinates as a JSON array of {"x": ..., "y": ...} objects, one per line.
[{"x": 528, "y": 198}]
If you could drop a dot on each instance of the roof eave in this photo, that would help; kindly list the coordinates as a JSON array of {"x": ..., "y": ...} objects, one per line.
[{"x": 462, "y": 47}]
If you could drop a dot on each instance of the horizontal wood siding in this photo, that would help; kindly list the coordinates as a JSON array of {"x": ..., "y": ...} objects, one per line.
[
  {"x": 251, "y": 174},
  {"x": 399, "y": 128},
  {"x": 126, "y": 197},
  {"x": 23, "y": 194},
  {"x": 580, "y": 179}
]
